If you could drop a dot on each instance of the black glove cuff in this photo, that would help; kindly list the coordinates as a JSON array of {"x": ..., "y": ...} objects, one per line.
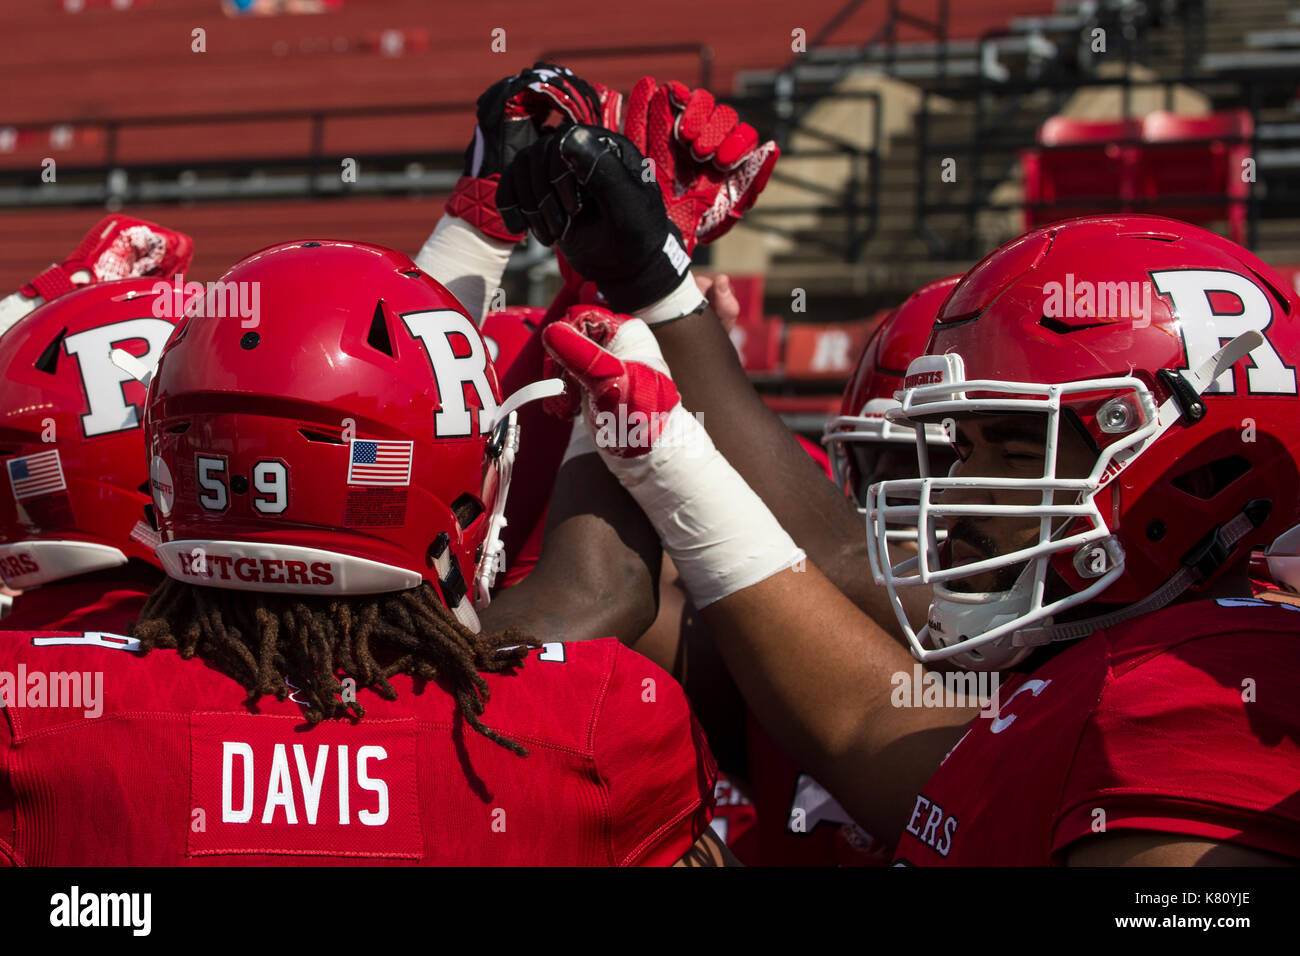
[{"x": 656, "y": 279}]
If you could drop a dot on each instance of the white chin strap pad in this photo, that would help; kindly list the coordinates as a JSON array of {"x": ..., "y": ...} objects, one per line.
[{"x": 30, "y": 564}]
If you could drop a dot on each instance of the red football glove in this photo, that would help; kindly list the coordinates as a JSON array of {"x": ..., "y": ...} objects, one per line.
[
  {"x": 594, "y": 322},
  {"x": 118, "y": 247},
  {"x": 710, "y": 166},
  {"x": 622, "y": 381}
]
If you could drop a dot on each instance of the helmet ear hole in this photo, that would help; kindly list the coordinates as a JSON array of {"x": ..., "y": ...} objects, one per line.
[
  {"x": 1208, "y": 480},
  {"x": 467, "y": 510}
]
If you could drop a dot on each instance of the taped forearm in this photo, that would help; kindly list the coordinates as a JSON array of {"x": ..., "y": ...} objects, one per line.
[{"x": 469, "y": 263}]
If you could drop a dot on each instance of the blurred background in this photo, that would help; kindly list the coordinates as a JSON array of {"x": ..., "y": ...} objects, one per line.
[{"x": 917, "y": 135}]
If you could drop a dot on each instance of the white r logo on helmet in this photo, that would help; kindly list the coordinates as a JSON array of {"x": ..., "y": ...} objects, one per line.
[
  {"x": 1205, "y": 330},
  {"x": 453, "y": 372},
  {"x": 102, "y": 381}
]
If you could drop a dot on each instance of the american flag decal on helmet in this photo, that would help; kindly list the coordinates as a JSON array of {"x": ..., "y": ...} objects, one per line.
[
  {"x": 379, "y": 462},
  {"x": 33, "y": 475}
]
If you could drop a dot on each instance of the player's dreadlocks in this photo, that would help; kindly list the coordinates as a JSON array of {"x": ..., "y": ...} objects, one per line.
[{"x": 261, "y": 639}]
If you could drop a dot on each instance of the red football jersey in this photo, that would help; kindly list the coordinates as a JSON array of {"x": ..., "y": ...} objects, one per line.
[
  {"x": 153, "y": 760},
  {"x": 103, "y": 601},
  {"x": 799, "y": 822},
  {"x": 1184, "y": 721},
  {"x": 735, "y": 819}
]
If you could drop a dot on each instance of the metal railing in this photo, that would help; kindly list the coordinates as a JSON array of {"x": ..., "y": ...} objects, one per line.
[
  {"x": 856, "y": 203},
  {"x": 1275, "y": 189}
]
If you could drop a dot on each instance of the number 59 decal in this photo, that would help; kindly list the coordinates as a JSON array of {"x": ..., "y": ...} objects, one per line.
[{"x": 270, "y": 486}]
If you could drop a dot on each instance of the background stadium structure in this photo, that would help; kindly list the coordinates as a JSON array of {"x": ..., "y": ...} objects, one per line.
[{"x": 917, "y": 135}]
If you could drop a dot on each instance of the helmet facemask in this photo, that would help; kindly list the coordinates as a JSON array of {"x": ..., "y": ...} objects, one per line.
[
  {"x": 1010, "y": 512},
  {"x": 868, "y": 447}
]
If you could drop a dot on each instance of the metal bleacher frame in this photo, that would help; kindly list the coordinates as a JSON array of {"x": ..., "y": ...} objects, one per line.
[{"x": 996, "y": 102}]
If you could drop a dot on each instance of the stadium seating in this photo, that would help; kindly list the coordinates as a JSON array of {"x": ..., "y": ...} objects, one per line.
[
  {"x": 1086, "y": 167},
  {"x": 1197, "y": 156},
  {"x": 1185, "y": 167}
]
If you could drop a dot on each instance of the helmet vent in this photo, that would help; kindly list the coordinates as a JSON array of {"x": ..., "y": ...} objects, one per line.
[
  {"x": 1064, "y": 328},
  {"x": 49, "y": 360},
  {"x": 1208, "y": 480},
  {"x": 378, "y": 337},
  {"x": 316, "y": 436}
]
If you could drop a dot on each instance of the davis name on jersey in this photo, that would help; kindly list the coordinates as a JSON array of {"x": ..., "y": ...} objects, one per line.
[{"x": 618, "y": 771}]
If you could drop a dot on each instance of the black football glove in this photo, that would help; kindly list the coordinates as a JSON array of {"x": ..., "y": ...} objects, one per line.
[
  {"x": 511, "y": 115},
  {"x": 582, "y": 188}
]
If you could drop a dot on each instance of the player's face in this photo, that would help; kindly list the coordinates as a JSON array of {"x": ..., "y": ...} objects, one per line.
[
  {"x": 1002, "y": 446},
  {"x": 875, "y": 461}
]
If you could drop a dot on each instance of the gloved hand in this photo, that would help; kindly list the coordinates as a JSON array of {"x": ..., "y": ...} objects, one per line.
[
  {"x": 583, "y": 189},
  {"x": 511, "y": 116},
  {"x": 709, "y": 165},
  {"x": 717, "y": 531}
]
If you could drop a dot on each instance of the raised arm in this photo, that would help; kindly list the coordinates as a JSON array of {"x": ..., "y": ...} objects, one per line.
[
  {"x": 815, "y": 669},
  {"x": 616, "y": 230}
]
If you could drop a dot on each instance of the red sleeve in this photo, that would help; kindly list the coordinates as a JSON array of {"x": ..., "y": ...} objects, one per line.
[
  {"x": 1202, "y": 741},
  {"x": 654, "y": 762},
  {"x": 8, "y": 820}
]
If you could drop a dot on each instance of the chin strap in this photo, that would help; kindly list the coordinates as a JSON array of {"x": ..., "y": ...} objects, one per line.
[
  {"x": 455, "y": 594},
  {"x": 505, "y": 445},
  {"x": 1198, "y": 564}
]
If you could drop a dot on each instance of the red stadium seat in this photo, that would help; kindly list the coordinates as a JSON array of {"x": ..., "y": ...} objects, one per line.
[
  {"x": 824, "y": 350},
  {"x": 1089, "y": 162},
  {"x": 759, "y": 344},
  {"x": 1196, "y": 157}
]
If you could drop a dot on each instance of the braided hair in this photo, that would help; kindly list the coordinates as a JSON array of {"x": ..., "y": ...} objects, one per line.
[{"x": 262, "y": 639}]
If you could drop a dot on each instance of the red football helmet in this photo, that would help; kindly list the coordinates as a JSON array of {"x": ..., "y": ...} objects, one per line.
[
  {"x": 350, "y": 439},
  {"x": 863, "y": 443},
  {"x": 507, "y": 331},
  {"x": 1112, "y": 329},
  {"x": 71, "y": 437}
]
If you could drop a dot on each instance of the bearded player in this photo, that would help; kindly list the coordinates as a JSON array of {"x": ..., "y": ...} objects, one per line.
[
  {"x": 1098, "y": 532},
  {"x": 325, "y": 493}
]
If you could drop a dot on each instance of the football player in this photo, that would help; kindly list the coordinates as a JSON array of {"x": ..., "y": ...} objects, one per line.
[
  {"x": 75, "y": 529},
  {"x": 326, "y": 486},
  {"x": 1116, "y": 467},
  {"x": 40, "y": 410}
]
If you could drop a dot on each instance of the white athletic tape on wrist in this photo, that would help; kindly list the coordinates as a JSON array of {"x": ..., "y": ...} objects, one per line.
[
  {"x": 467, "y": 262},
  {"x": 719, "y": 533},
  {"x": 683, "y": 300}
]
